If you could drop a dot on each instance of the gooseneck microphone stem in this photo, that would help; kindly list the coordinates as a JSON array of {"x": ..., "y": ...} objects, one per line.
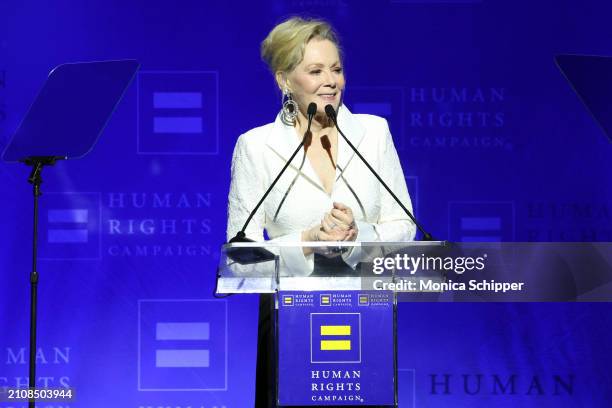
[
  {"x": 331, "y": 113},
  {"x": 241, "y": 236},
  {"x": 252, "y": 214}
]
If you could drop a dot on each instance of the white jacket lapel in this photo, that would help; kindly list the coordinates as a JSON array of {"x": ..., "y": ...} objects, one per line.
[
  {"x": 283, "y": 141},
  {"x": 354, "y": 132}
]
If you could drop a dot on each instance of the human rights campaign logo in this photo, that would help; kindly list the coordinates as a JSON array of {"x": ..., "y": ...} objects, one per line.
[
  {"x": 325, "y": 299},
  {"x": 288, "y": 300},
  {"x": 182, "y": 345},
  {"x": 387, "y": 102},
  {"x": 335, "y": 338},
  {"x": 70, "y": 226},
  {"x": 178, "y": 112},
  {"x": 481, "y": 221},
  {"x": 364, "y": 300}
]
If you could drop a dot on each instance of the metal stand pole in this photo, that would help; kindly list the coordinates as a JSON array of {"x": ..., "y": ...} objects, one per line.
[{"x": 35, "y": 179}]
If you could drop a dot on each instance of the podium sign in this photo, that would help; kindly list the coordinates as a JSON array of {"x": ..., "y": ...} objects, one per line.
[
  {"x": 336, "y": 348},
  {"x": 335, "y": 337}
]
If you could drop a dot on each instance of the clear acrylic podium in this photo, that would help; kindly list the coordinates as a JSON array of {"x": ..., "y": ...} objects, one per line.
[{"x": 335, "y": 337}]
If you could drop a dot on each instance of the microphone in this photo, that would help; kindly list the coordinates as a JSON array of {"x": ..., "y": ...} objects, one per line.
[
  {"x": 311, "y": 112},
  {"x": 331, "y": 113},
  {"x": 253, "y": 255}
]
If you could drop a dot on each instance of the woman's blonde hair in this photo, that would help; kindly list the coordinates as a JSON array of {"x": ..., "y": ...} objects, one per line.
[{"x": 283, "y": 48}]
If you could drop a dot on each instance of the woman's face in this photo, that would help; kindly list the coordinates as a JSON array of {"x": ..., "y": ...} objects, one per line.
[{"x": 319, "y": 78}]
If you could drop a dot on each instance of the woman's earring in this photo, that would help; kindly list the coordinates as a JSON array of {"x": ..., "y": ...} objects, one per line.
[{"x": 289, "y": 111}]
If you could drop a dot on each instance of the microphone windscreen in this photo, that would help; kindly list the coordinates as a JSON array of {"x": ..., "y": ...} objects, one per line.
[
  {"x": 312, "y": 109},
  {"x": 330, "y": 111}
]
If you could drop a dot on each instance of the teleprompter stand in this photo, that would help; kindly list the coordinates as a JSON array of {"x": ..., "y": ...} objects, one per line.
[
  {"x": 64, "y": 122},
  {"x": 35, "y": 179}
]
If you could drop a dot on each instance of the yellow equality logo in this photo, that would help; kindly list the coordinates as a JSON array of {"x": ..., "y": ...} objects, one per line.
[{"x": 335, "y": 331}]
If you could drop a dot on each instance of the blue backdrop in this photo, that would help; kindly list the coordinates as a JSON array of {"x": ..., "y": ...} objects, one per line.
[{"x": 486, "y": 127}]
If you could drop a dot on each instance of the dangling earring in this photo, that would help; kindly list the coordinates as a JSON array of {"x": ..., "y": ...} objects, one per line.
[{"x": 289, "y": 110}]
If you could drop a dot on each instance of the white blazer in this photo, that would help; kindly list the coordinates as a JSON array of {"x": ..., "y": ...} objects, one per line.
[{"x": 260, "y": 154}]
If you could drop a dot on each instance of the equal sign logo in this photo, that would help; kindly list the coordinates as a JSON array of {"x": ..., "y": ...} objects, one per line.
[
  {"x": 178, "y": 112},
  {"x": 387, "y": 102},
  {"x": 374, "y": 108},
  {"x": 187, "y": 333},
  {"x": 182, "y": 345},
  {"x": 325, "y": 300},
  {"x": 364, "y": 300},
  {"x": 484, "y": 229},
  {"x": 70, "y": 226},
  {"x": 67, "y": 226},
  {"x": 335, "y": 337},
  {"x": 165, "y": 103},
  {"x": 336, "y": 331},
  {"x": 287, "y": 300},
  {"x": 481, "y": 221}
]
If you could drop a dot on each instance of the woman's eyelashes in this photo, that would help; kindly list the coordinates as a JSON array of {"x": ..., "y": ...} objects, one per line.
[{"x": 318, "y": 71}]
